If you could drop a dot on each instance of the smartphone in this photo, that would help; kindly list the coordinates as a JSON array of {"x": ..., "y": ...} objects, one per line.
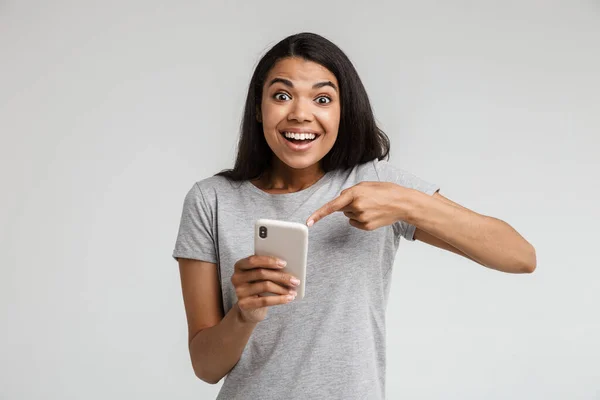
[{"x": 287, "y": 241}]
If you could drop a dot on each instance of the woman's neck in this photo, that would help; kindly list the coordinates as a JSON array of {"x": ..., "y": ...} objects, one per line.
[{"x": 283, "y": 179}]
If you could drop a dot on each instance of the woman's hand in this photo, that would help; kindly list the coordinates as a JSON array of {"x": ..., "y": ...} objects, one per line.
[
  {"x": 370, "y": 205},
  {"x": 256, "y": 275}
]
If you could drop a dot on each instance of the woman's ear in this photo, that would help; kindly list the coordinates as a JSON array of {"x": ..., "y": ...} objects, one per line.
[{"x": 258, "y": 114}]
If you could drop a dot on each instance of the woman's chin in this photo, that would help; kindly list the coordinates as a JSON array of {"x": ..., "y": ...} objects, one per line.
[{"x": 299, "y": 162}]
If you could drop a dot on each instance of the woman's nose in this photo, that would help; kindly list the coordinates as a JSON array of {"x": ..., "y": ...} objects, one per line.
[{"x": 300, "y": 111}]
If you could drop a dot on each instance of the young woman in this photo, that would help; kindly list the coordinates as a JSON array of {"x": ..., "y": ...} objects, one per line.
[{"x": 310, "y": 152}]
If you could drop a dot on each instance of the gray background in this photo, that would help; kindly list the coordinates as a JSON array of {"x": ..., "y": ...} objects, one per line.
[{"x": 109, "y": 111}]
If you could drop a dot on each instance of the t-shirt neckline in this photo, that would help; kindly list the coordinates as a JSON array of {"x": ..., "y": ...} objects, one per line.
[{"x": 304, "y": 192}]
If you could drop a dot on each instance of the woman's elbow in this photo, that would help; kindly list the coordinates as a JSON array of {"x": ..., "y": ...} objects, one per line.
[
  {"x": 210, "y": 380},
  {"x": 207, "y": 376},
  {"x": 528, "y": 262}
]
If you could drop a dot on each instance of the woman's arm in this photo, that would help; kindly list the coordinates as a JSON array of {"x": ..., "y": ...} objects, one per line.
[
  {"x": 438, "y": 221},
  {"x": 216, "y": 343},
  {"x": 486, "y": 240}
]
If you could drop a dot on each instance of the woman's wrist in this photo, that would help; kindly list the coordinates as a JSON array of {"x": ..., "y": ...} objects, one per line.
[
  {"x": 411, "y": 206},
  {"x": 239, "y": 317}
]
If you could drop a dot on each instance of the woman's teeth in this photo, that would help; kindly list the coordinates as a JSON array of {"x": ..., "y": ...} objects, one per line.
[{"x": 299, "y": 136}]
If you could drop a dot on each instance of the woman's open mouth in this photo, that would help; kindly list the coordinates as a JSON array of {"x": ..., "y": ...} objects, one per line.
[
  {"x": 300, "y": 141},
  {"x": 299, "y": 138}
]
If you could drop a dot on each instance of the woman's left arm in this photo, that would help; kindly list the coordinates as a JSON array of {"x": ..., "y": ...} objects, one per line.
[
  {"x": 439, "y": 222},
  {"x": 486, "y": 240}
]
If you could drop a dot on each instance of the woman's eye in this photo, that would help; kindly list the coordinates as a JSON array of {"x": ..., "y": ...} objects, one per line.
[
  {"x": 323, "y": 100},
  {"x": 281, "y": 96}
]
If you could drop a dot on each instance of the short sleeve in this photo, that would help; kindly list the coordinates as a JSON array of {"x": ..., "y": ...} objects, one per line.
[
  {"x": 390, "y": 173},
  {"x": 195, "y": 239}
]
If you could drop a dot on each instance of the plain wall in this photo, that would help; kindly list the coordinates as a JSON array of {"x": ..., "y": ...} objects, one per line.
[{"x": 110, "y": 110}]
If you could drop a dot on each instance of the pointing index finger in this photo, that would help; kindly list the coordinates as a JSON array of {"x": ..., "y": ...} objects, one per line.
[{"x": 334, "y": 205}]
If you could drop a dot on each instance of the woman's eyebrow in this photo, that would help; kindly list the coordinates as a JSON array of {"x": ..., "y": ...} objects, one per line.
[
  {"x": 289, "y": 83},
  {"x": 323, "y": 84},
  {"x": 286, "y": 82}
]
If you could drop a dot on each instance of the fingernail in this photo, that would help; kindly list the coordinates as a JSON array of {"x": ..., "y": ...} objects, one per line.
[
  {"x": 293, "y": 293},
  {"x": 310, "y": 223},
  {"x": 290, "y": 297},
  {"x": 281, "y": 263},
  {"x": 295, "y": 281}
]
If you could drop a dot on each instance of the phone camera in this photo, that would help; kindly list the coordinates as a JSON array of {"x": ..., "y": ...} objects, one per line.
[{"x": 262, "y": 232}]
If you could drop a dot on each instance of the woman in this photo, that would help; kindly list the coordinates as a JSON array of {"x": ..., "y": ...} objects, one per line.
[{"x": 310, "y": 152}]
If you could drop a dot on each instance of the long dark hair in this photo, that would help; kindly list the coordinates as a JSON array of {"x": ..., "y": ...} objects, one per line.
[{"x": 359, "y": 139}]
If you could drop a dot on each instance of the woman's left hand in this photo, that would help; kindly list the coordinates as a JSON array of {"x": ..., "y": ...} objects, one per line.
[{"x": 370, "y": 205}]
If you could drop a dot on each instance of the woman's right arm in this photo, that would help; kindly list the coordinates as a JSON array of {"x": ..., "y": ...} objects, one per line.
[{"x": 216, "y": 342}]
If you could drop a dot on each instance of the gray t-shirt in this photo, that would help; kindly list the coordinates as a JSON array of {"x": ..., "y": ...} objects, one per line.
[{"x": 331, "y": 344}]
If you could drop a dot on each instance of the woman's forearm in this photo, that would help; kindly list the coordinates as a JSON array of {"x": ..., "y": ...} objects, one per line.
[
  {"x": 215, "y": 351},
  {"x": 489, "y": 241}
]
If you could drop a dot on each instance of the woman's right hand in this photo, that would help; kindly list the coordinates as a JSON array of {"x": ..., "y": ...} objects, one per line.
[{"x": 255, "y": 275}]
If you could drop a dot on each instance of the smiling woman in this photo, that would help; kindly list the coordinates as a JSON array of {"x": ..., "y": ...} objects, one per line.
[
  {"x": 300, "y": 99},
  {"x": 309, "y": 151},
  {"x": 305, "y": 84}
]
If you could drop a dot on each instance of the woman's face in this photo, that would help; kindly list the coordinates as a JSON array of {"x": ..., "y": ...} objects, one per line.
[{"x": 300, "y": 111}]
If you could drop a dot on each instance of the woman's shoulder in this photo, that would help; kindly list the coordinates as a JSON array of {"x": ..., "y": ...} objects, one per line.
[
  {"x": 383, "y": 169},
  {"x": 210, "y": 187},
  {"x": 386, "y": 171},
  {"x": 371, "y": 170},
  {"x": 215, "y": 182}
]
